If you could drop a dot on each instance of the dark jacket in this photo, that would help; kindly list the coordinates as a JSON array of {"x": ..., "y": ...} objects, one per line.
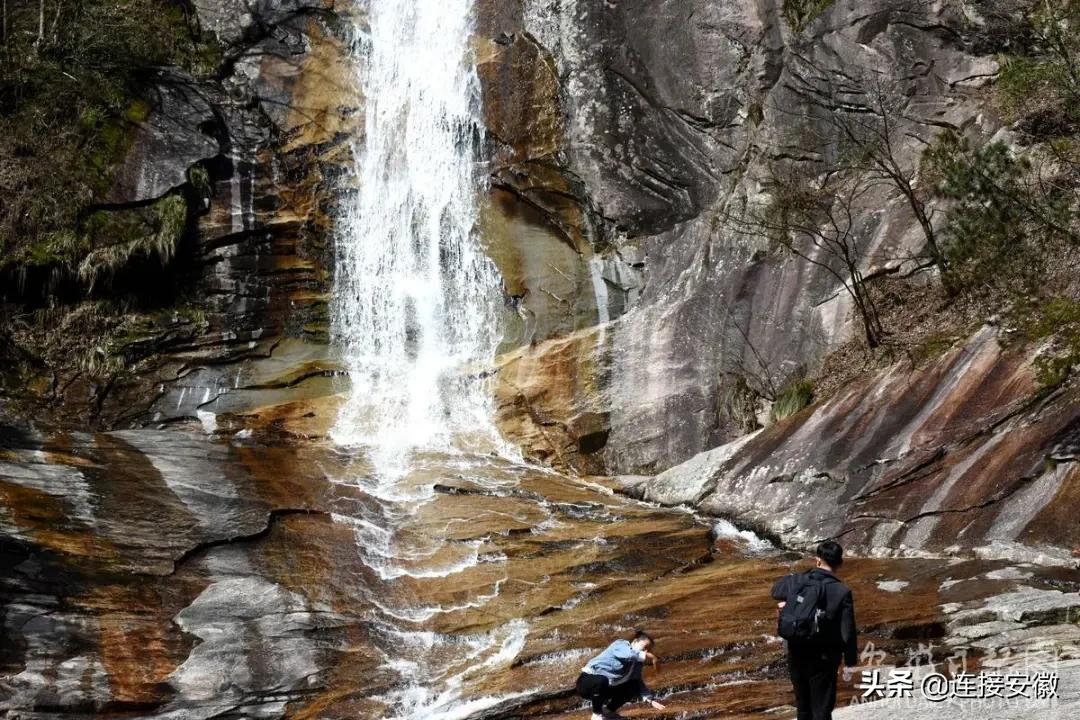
[{"x": 839, "y": 609}]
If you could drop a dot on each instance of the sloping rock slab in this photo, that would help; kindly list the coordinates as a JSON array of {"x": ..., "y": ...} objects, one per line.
[{"x": 959, "y": 454}]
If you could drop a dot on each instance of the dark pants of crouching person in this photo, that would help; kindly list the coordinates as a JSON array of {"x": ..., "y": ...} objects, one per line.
[{"x": 606, "y": 697}]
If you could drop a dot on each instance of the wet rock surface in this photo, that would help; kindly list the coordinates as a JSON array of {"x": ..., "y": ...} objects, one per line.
[
  {"x": 1040, "y": 636},
  {"x": 218, "y": 558},
  {"x": 255, "y": 152},
  {"x": 168, "y": 574},
  {"x": 955, "y": 457},
  {"x": 139, "y": 578}
]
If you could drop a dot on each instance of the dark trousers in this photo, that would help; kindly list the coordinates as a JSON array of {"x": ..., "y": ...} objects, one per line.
[
  {"x": 813, "y": 675},
  {"x": 601, "y": 693}
]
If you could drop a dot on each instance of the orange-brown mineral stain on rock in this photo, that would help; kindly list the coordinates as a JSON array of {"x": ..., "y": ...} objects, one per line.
[
  {"x": 316, "y": 558},
  {"x": 138, "y": 644},
  {"x": 547, "y": 400},
  {"x": 325, "y": 94},
  {"x": 563, "y": 560},
  {"x": 313, "y": 556},
  {"x": 715, "y": 626},
  {"x": 46, "y": 520},
  {"x": 302, "y": 419},
  {"x": 524, "y": 117},
  {"x": 521, "y": 96},
  {"x": 510, "y": 230},
  {"x": 543, "y": 186},
  {"x": 282, "y": 477}
]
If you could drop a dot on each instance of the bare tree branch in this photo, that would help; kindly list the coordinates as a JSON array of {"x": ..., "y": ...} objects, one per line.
[{"x": 816, "y": 220}]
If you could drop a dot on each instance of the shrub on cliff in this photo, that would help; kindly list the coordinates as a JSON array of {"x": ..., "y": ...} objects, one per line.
[
  {"x": 817, "y": 220},
  {"x": 800, "y": 13},
  {"x": 1007, "y": 213},
  {"x": 149, "y": 233},
  {"x": 1039, "y": 87},
  {"x": 870, "y": 126},
  {"x": 793, "y": 398},
  {"x": 1057, "y": 320}
]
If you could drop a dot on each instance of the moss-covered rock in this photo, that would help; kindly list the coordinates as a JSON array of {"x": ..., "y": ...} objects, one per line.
[
  {"x": 118, "y": 236},
  {"x": 71, "y": 103}
]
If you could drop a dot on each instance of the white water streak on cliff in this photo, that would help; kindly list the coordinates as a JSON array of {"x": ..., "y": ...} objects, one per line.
[
  {"x": 596, "y": 273},
  {"x": 415, "y": 296}
]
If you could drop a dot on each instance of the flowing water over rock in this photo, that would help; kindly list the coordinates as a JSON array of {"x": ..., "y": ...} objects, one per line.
[
  {"x": 464, "y": 553},
  {"x": 247, "y": 566},
  {"x": 162, "y": 574},
  {"x": 415, "y": 297},
  {"x": 485, "y": 581},
  {"x": 414, "y": 312}
]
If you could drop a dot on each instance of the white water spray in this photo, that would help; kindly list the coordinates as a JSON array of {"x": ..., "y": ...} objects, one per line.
[
  {"x": 415, "y": 316},
  {"x": 415, "y": 298}
]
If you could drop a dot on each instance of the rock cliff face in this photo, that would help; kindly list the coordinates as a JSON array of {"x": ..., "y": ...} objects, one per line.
[
  {"x": 963, "y": 453},
  {"x": 145, "y": 571},
  {"x": 252, "y": 151},
  {"x": 616, "y": 153},
  {"x": 286, "y": 117},
  {"x": 173, "y": 545},
  {"x": 672, "y": 114}
]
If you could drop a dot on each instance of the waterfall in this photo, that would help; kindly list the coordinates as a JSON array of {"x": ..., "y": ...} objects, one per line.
[
  {"x": 415, "y": 316},
  {"x": 415, "y": 300}
]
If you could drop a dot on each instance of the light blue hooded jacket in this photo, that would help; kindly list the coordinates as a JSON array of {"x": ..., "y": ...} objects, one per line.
[{"x": 620, "y": 663}]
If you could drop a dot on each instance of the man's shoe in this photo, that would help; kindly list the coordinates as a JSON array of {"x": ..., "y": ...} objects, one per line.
[
  {"x": 613, "y": 715},
  {"x": 596, "y": 716}
]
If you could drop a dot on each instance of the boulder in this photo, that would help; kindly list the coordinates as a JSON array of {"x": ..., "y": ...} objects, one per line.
[{"x": 175, "y": 135}]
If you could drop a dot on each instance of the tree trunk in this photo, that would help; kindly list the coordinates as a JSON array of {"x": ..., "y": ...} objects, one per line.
[
  {"x": 918, "y": 208},
  {"x": 54, "y": 31},
  {"x": 867, "y": 313}
]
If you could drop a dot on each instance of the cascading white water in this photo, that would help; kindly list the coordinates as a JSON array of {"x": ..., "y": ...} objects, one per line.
[
  {"x": 415, "y": 317},
  {"x": 415, "y": 298}
]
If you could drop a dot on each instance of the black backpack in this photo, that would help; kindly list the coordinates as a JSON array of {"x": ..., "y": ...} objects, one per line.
[{"x": 802, "y": 620}]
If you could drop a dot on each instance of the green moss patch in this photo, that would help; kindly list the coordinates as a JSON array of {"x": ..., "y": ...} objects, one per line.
[
  {"x": 1056, "y": 322},
  {"x": 69, "y": 104}
]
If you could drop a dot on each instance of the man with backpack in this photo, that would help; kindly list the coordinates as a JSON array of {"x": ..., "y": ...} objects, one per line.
[{"x": 817, "y": 619}]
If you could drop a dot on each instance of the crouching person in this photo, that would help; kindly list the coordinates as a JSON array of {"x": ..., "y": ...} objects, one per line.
[{"x": 613, "y": 678}]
